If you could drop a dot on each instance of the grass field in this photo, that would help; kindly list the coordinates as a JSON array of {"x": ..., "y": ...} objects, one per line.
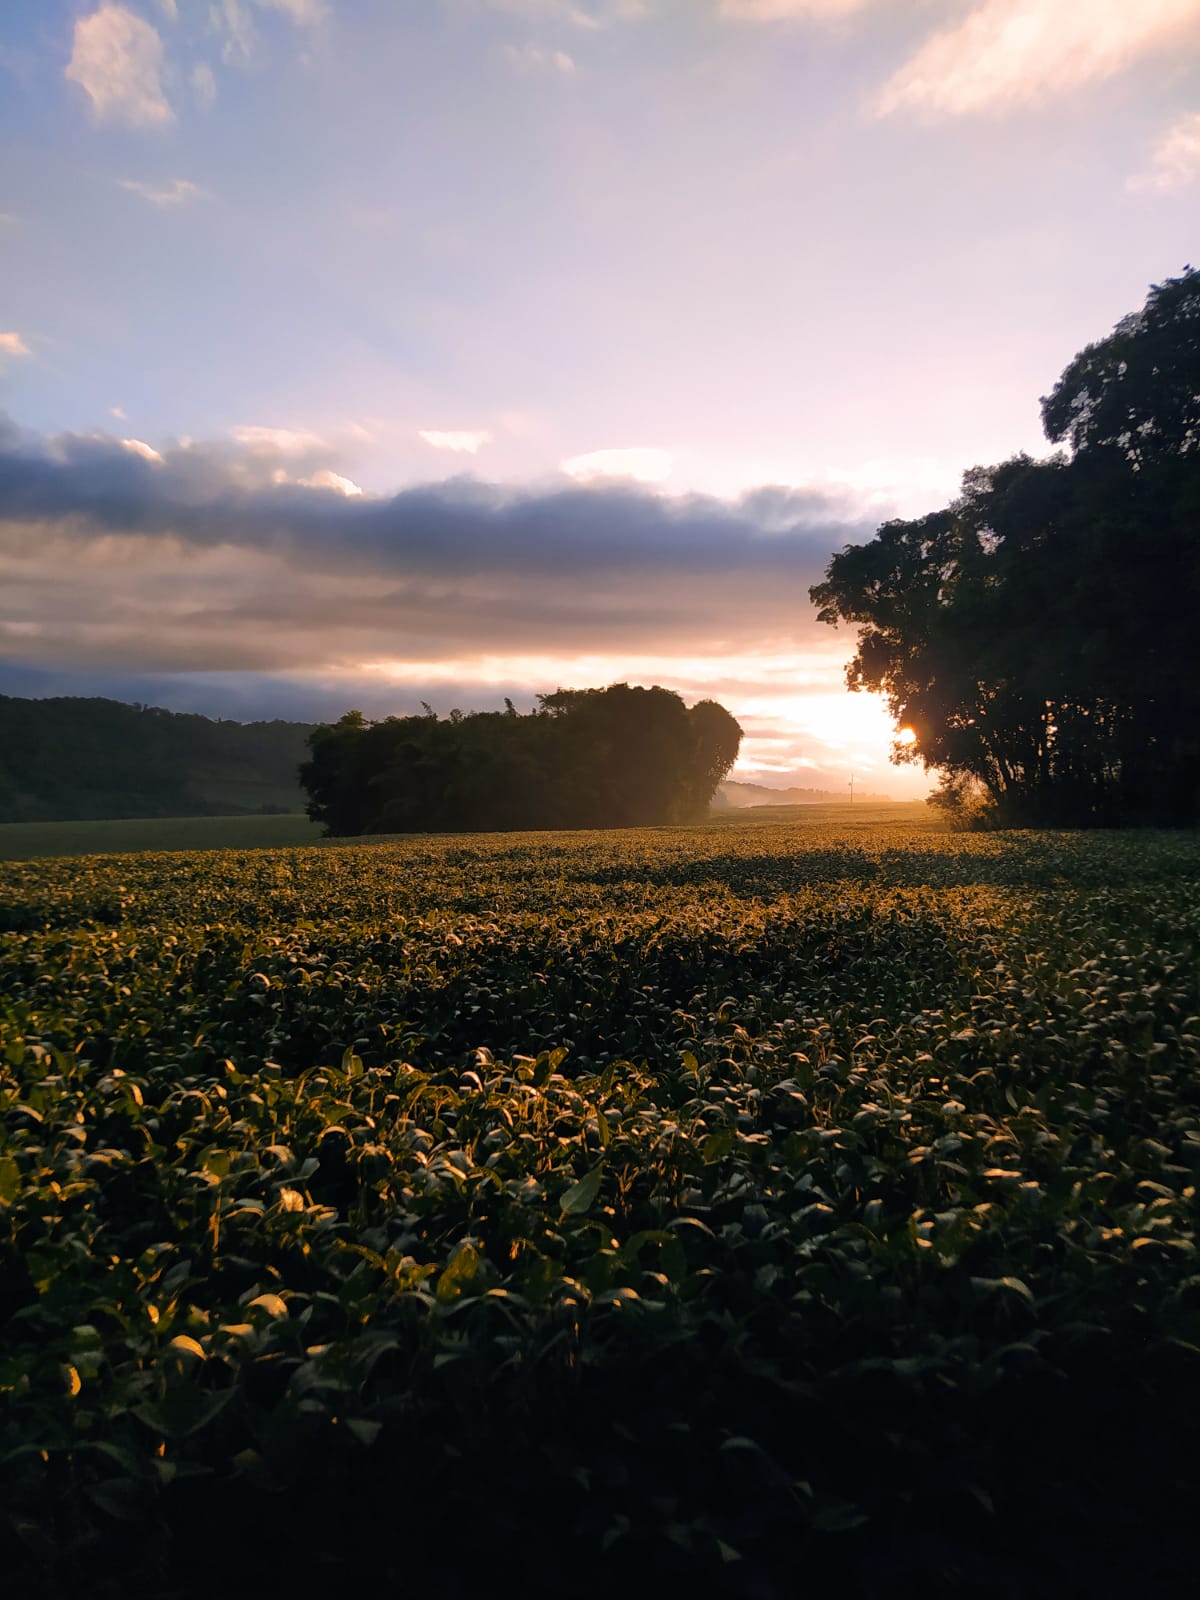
[
  {"x": 792, "y": 1197},
  {"x": 27, "y": 841},
  {"x": 23, "y": 841}
]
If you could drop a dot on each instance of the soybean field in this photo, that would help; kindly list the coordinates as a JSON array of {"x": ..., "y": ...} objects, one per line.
[{"x": 774, "y": 1208}]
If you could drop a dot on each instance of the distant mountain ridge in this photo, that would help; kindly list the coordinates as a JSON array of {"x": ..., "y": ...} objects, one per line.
[{"x": 734, "y": 796}]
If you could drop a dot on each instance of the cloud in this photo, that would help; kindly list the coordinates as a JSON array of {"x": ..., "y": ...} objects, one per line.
[
  {"x": 592, "y": 15},
  {"x": 1013, "y": 53},
  {"x": 12, "y": 344},
  {"x": 462, "y": 442},
  {"x": 118, "y": 411},
  {"x": 204, "y": 85},
  {"x": 533, "y": 58},
  {"x": 139, "y": 447},
  {"x": 113, "y": 560},
  {"x": 304, "y": 13},
  {"x": 211, "y": 578},
  {"x": 325, "y": 479},
  {"x": 279, "y": 441},
  {"x": 174, "y": 194},
  {"x": 640, "y": 464},
  {"x": 789, "y": 10},
  {"x": 117, "y": 60},
  {"x": 231, "y": 21},
  {"x": 169, "y": 9},
  {"x": 1176, "y": 162}
]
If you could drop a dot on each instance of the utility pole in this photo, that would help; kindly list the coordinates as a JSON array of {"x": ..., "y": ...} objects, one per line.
[{"x": 851, "y": 788}]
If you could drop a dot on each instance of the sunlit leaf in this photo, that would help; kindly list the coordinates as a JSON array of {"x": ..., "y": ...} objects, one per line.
[{"x": 272, "y": 1304}]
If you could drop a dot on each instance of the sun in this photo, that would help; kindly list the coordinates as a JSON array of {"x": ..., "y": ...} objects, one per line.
[{"x": 906, "y": 736}]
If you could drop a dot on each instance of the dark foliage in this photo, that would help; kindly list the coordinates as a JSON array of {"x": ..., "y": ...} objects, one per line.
[
  {"x": 72, "y": 759},
  {"x": 586, "y": 758},
  {"x": 1038, "y": 635},
  {"x": 764, "y": 1211}
]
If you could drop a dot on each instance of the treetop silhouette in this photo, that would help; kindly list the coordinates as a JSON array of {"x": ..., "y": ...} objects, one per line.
[{"x": 1038, "y": 635}]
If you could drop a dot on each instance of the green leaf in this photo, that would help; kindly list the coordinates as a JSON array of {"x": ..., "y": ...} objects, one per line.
[
  {"x": 581, "y": 1196},
  {"x": 118, "y": 1497},
  {"x": 459, "y": 1272},
  {"x": 10, "y": 1180},
  {"x": 216, "y": 1163},
  {"x": 838, "y": 1516},
  {"x": 1012, "y": 1285},
  {"x": 183, "y": 1411},
  {"x": 718, "y": 1145}
]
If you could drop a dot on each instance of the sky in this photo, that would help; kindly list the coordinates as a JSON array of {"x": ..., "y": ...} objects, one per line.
[{"x": 360, "y": 353}]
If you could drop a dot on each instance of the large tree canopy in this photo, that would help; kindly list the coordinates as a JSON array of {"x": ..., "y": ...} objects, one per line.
[
  {"x": 586, "y": 758},
  {"x": 1136, "y": 394},
  {"x": 1038, "y": 635}
]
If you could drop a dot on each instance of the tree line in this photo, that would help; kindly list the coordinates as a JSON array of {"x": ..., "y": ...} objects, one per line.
[
  {"x": 1039, "y": 635},
  {"x": 623, "y": 756},
  {"x": 72, "y": 758}
]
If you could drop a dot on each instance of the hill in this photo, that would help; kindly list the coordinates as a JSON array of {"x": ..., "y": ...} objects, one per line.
[{"x": 70, "y": 759}]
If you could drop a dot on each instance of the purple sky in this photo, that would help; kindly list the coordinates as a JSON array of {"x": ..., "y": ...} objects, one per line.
[{"x": 364, "y": 353}]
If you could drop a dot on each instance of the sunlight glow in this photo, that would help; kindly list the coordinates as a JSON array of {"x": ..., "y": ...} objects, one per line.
[{"x": 799, "y": 723}]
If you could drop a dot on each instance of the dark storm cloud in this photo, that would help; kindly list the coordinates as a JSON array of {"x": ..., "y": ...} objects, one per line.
[{"x": 201, "y": 560}]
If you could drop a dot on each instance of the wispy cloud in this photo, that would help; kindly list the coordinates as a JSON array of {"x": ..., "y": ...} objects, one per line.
[
  {"x": 117, "y": 59},
  {"x": 204, "y": 85},
  {"x": 535, "y": 58},
  {"x": 173, "y": 194},
  {"x": 1008, "y": 54},
  {"x": 232, "y": 23},
  {"x": 589, "y": 14},
  {"x": 12, "y": 344},
  {"x": 278, "y": 441},
  {"x": 462, "y": 441},
  {"x": 1176, "y": 162},
  {"x": 639, "y": 463},
  {"x": 304, "y": 13},
  {"x": 789, "y": 10}
]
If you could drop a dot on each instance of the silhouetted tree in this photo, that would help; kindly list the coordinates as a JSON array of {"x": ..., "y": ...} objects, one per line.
[
  {"x": 1038, "y": 634},
  {"x": 587, "y": 758},
  {"x": 1136, "y": 394}
]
